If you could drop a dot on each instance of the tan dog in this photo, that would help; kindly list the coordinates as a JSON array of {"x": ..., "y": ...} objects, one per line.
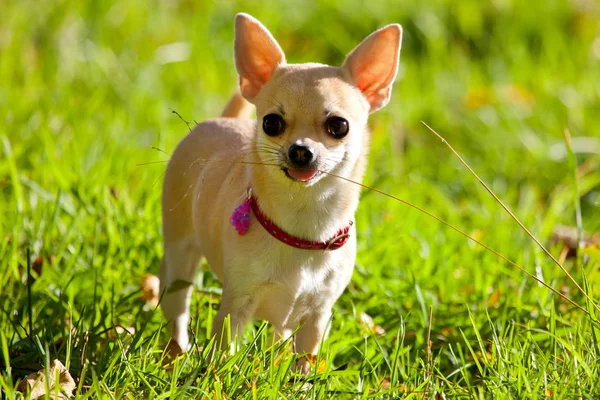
[{"x": 311, "y": 121}]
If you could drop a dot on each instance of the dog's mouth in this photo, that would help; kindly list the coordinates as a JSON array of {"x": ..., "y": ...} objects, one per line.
[{"x": 302, "y": 175}]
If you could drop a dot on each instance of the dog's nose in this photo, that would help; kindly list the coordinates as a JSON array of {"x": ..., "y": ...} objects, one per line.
[{"x": 300, "y": 155}]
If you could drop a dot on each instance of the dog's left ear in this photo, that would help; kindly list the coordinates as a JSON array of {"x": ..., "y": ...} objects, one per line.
[
  {"x": 372, "y": 66},
  {"x": 257, "y": 54}
]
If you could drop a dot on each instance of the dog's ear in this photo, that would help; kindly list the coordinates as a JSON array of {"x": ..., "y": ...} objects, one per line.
[
  {"x": 372, "y": 66},
  {"x": 257, "y": 54}
]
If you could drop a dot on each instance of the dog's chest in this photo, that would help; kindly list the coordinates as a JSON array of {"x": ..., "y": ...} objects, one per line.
[{"x": 295, "y": 287}]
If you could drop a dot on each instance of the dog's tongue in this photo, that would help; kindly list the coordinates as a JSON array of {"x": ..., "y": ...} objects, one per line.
[{"x": 302, "y": 175}]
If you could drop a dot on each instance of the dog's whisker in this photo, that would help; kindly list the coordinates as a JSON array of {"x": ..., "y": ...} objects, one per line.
[
  {"x": 159, "y": 178},
  {"x": 268, "y": 142},
  {"x": 152, "y": 162},
  {"x": 540, "y": 281},
  {"x": 269, "y": 149},
  {"x": 335, "y": 156},
  {"x": 274, "y": 143},
  {"x": 256, "y": 151},
  {"x": 160, "y": 150},
  {"x": 331, "y": 146},
  {"x": 265, "y": 155},
  {"x": 187, "y": 191}
]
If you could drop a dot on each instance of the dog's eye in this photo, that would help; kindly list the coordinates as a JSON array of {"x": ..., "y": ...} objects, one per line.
[
  {"x": 273, "y": 124},
  {"x": 337, "y": 127}
]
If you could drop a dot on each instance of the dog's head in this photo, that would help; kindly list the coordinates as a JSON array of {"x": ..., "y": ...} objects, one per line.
[{"x": 312, "y": 118}]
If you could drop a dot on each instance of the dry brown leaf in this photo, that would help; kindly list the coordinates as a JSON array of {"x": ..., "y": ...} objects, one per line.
[
  {"x": 385, "y": 384},
  {"x": 37, "y": 266},
  {"x": 567, "y": 235},
  {"x": 35, "y": 383},
  {"x": 322, "y": 366},
  {"x": 367, "y": 321},
  {"x": 405, "y": 389},
  {"x": 125, "y": 329},
  {"x": 478, "y": 97},
  {"x": 494, "y": 299},
  {"x": 312, "y": 359},
  {"x": 440, "y": 396},
  {"x": 482, "y": 356},
  {"x": 114, "y": 191},
  {"x": 151, "y": 289}
]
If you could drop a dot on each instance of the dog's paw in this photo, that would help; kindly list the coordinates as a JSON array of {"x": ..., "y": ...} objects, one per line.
[
  {"x": 302, "y": 366},
  {"x": 307, "y": 363},
  {"x": 170, "y": 353}
]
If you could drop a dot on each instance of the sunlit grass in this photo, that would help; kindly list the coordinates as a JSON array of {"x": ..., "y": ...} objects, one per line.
[{"x": 87, "y": 88}]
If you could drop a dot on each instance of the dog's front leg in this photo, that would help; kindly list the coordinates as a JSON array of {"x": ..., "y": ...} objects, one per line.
[
  {"x": 308, "y": 338},
  {"x": 177, "y": 272},
  {"x": 239, "y": 307}
]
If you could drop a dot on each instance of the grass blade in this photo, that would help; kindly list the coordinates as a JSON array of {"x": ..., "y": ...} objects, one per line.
[{"x": 514, "y": 217}]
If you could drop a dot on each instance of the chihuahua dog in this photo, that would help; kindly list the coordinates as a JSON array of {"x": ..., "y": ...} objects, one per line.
[{"x": 262, "y": 200}]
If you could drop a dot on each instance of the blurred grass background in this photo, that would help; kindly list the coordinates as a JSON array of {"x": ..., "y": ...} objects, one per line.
[{"x": 87, "y": 87}]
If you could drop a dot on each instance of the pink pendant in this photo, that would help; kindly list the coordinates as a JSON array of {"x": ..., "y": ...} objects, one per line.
[{"x": 240, "y": 217}]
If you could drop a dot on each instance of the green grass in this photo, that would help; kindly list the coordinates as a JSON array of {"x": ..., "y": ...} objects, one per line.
[{"x": 85, "y": 92}]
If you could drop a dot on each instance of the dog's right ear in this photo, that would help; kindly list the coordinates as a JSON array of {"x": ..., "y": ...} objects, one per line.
[
  {"x": 257, "y": 54},
  {"x": 372, "y": 66}
]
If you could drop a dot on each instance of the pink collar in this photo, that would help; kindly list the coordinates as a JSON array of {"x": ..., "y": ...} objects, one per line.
[{"x": 240, "y": 219}]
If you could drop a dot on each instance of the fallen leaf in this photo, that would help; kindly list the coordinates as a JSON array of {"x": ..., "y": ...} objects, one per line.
[
  {"x": 485, "y": 357},
  {"x": 151, "y": 289},
  {"x": 567, "y": 235},
  {"x": 385, "y": 384},
  {"x": 446, "y": 331},
  {"x": 367, "y": 322},
  {"x": 37, "y": 266},
  {"x": 322, "y": 366},
  {"x": 440, "y": 396},
  {"x": 114, "y": 191},
  {"x": 312, "y": 358},
  {"x": 35, "y": 383},
  {"x": 405, "y": 389},
  {"x": 494, "y": 299},
  {"x": 125, "y": 329},
  {"x": 478, "y": 97}
]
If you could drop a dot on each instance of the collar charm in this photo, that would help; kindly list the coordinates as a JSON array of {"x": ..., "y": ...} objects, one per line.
[
  {"x": 240, "y": 217},
  {"x": 240, "y": 220}
]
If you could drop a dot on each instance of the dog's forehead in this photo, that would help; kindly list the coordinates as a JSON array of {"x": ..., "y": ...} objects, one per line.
[{"x": 310, "y": 87}]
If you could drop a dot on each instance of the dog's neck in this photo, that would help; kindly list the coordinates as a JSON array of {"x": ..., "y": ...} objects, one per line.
[{"x": 314, "y": 212}]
